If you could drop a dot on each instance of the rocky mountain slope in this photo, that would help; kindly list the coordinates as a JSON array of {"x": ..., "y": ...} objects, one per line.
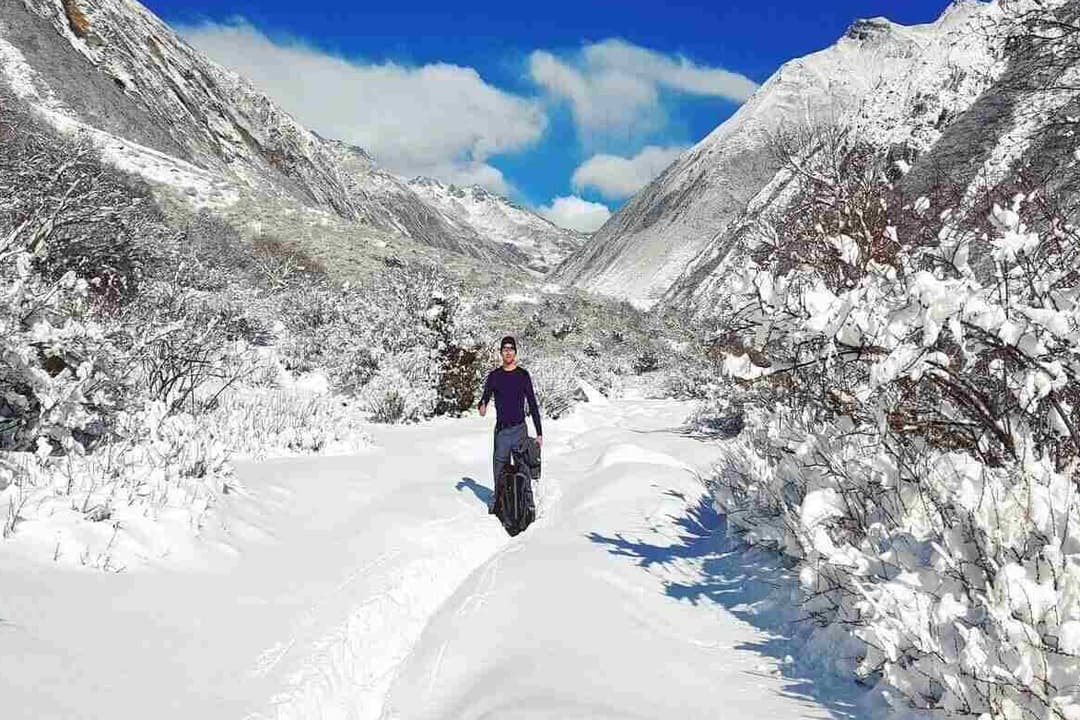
[
  {"x": 158, "y": 108},
  {"x": 539, "y": 244},
  {"x": 987, "y": 110},
  {"x": 893, "y": 83}
]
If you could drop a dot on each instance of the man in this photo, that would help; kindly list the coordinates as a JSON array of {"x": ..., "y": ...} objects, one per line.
[{"x": 512, "y": 388}]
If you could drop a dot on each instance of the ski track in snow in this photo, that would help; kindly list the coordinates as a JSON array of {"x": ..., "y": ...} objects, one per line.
[{"x": 377, "y": 586}]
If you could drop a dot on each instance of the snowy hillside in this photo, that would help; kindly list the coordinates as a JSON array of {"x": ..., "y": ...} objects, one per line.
[
  {"x": 952, "y": 63},
  {"x": 541, "y": 244},
  {"x": 161, "y": 110},
  {"x": 985, "y": 111},
  {"x": 691, "y": 214}
]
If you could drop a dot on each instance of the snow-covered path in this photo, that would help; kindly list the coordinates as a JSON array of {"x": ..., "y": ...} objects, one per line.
[{"x": 377, "y": 586}]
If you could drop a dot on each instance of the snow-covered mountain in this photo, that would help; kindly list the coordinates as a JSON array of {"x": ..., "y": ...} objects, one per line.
[
  {"x": 540, "y": 244},
  {"x": 895, "y": 83},
  {"x": 158, "y": 108}
]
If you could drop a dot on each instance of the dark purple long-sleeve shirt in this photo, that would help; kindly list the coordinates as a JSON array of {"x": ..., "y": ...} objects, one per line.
[{"x": 512, "y": 389}]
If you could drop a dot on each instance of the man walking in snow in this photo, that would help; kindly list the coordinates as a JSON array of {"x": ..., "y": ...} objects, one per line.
[{"x": 512, "y": 387}]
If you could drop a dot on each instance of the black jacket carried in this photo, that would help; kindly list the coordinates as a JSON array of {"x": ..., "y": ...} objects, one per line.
[{"x": 527, "y": 456}]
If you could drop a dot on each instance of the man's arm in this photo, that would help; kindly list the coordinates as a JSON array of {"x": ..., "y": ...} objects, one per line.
[
  {"x": 534, "y": 408},
  {"x": 486, "y": 396}
]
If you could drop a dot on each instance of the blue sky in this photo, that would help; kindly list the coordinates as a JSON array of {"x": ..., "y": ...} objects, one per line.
[{"x": 578, "y": 100}]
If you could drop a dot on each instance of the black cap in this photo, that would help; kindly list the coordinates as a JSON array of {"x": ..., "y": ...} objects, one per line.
[{"x": 508, "y": 340}]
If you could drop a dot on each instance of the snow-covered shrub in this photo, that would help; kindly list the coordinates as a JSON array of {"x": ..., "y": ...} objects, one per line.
[
  {"x": 646, "y": 361},
  {"x": 276, "y": 422},
  {"x": 384, "y": 400},
  {"x": 196, "y": 345},
  {"x": 459, "y": 352},
  {"x": 280, "y": 265},
  {"x": 131, "y": 373},
  {"x": 555, "y": 383},
  {"x": 74, "y": 213},
  {"x": 911, "y": 413},
  {"x": 48, "y": 360},
  {"x": 461, "y": 375},
  {"x": 167, "y": 466},
  {"x": 211, "y": 257},
  {"x": 588, "y": 350},
  {"x": 404, "y": 389},
  {"x": 692, "y": 381},
  {"x": 57, "y": 361},
  {"x": 401, "y": 340}
]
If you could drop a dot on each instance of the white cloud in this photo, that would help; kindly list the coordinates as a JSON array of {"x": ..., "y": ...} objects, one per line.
[
  {"x": 440, "y": 119},
  {"x": 615, "y": 86},
  {"x": 574, "y": 213},
  {"x": 618, "y": 177}
]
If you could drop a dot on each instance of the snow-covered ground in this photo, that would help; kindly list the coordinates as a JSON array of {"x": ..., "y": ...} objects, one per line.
[{"x": 376, "y": 585}]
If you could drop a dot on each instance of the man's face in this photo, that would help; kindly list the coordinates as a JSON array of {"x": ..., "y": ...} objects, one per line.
[{"x": 508, "y": 354}]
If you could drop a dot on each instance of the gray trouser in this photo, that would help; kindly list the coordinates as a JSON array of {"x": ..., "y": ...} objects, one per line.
[{"x": 506, "y": 440}]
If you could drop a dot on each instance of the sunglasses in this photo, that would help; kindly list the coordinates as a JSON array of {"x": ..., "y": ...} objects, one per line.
[{"x": 504, "y": 348}]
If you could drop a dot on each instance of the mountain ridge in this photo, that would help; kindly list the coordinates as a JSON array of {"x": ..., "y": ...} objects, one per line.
[
  {"x": 540, "y": 243},
  {"x": 158, "y": 108},
  {"x": 690, "y": 214}
]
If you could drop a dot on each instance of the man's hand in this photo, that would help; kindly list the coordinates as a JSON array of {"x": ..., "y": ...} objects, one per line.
[
  {"x": 540, "y": 440},
  {"x": 483, "y": 410}
]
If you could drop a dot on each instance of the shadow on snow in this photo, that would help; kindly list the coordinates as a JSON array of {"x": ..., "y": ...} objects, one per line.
[
  {"x": 746, "y": 582},
  {"x": 482, "y": 493}
]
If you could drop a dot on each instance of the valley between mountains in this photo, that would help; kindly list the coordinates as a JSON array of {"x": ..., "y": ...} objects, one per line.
[{"x": 811, "y": 396}]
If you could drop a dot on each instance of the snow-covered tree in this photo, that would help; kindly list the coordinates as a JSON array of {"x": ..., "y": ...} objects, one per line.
[{"x": 910, "y": 384}]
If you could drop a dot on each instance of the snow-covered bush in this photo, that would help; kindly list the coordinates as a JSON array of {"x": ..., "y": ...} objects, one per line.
[
  {"x": 404, "y": 389},
  {"x": 168, "y": 467},
  {"x": 461, "y": 368},
  {"x": 555, "y": 383},
  {"x": 646, "y": 361},
  {"x": 461, "y": 375},
  {"x": 133, "y": 364},
  {"x": 75, "y": 214},
  {"x": 400, "y": 340},
  {"x": 911, "y": 412},
  {"x": 581, "y": 336},
  {"x": 274, "y": 422},
  {"x": 692, "y": 381},
  {"x": 58, "y": 363}
]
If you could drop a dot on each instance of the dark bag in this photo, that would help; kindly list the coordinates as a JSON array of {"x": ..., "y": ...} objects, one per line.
[
  {"x": 528, "y": 457},
  {"x": 514, "y": 500},
  {"x": 9, "y": 427}
]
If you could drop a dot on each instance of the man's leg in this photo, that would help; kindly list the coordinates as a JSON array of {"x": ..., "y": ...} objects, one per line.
[
  {"x": 506, "y": 441},
  {"x": 500, "y": 458}
]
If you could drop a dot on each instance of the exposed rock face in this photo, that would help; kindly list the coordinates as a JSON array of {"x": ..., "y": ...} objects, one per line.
[{"x": 892, "y": 84}]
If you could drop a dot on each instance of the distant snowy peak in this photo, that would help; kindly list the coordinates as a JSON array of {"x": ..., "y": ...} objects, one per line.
[
  {"x": 540, "y": 243},
  {"x": 871, "y": 78},
  {"x": 869, "y": 29},
  {"x": 474, "y": 194},
  {"x": 159, "y": 108}
]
